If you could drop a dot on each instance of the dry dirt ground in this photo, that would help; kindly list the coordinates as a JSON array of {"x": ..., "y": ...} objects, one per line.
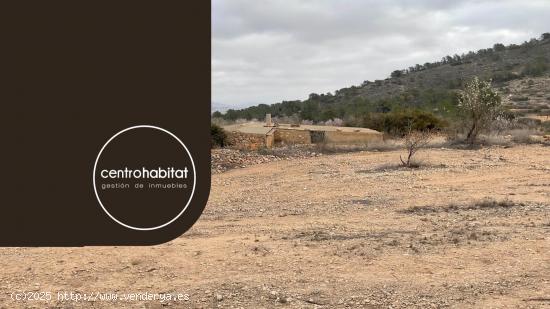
[{"x": 470, "y": 229}]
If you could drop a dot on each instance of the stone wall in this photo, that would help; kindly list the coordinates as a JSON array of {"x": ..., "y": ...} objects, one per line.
[
  {"x": 269, "y": 139},
  {"x": 246, "y": 141},
  {"x": 249, "y": 141},
  {"x": 350, "y": 138},
  {"x": 287, "y": 136}
]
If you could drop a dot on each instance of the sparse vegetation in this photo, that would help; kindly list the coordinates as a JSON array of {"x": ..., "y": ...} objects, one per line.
[
  {"x": 488, "y": 203},
  {"x": 483, "y": 204},
  {"x": 536, "y": 67}
]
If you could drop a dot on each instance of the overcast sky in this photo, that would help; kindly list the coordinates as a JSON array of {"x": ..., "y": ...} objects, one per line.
[{"x": 266, "y": 51}]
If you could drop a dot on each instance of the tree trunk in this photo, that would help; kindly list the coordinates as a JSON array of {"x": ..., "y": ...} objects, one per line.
[{"x": 472, "y": 134}]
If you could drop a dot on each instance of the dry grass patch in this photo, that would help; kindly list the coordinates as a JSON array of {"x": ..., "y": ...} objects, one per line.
[{"x": 483, "y": 204}]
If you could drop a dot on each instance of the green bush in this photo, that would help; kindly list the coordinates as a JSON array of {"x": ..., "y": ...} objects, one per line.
[
  {"x": 504, "y": 76},
  {"x": 398, "y": 122},
  {"x": 536, "y": 67},
  {"x": 218, "y": 135}
]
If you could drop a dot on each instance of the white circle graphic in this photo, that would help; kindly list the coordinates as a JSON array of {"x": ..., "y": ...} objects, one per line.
[{"x": 192, "y": 191}]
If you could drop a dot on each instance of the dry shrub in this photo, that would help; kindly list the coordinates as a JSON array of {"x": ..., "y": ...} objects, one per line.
[
  {"x": 523, "y": 136},
  {"x": 414, "y": 141},
  {"x": 495, "y": 140},
  {"x": 487, "y": 203}
]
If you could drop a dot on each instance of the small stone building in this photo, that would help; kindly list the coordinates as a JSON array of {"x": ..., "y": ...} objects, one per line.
[{"x": 255, "y": 135}]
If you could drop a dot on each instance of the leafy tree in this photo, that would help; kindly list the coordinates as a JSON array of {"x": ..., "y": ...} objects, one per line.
[
  {"x": 480, "y": 105},
  {"x": 499, "y": 47},
  {"x": 314, "y": 96},
  {"x": 310, "y": 110},
  {"x": 396, "y": 73},
  {"x": 232, "y": 114}
]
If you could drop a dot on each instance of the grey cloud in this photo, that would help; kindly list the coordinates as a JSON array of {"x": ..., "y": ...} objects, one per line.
[{"x": 272, "y": 50}]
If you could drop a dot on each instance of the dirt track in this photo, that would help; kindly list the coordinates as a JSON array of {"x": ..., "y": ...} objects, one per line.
[{"x": 470, "y": 229}]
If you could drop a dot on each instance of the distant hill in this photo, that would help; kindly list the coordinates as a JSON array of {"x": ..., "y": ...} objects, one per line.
[{"x": 521, "y": 72}]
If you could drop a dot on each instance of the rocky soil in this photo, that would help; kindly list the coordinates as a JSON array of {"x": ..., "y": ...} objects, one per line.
[
  {"x": 226, "y": 158},
  {"x": 468, "y": 229}
]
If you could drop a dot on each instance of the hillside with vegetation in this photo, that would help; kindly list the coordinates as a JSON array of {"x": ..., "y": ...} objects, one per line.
[{"x": 427, "y": 93}]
